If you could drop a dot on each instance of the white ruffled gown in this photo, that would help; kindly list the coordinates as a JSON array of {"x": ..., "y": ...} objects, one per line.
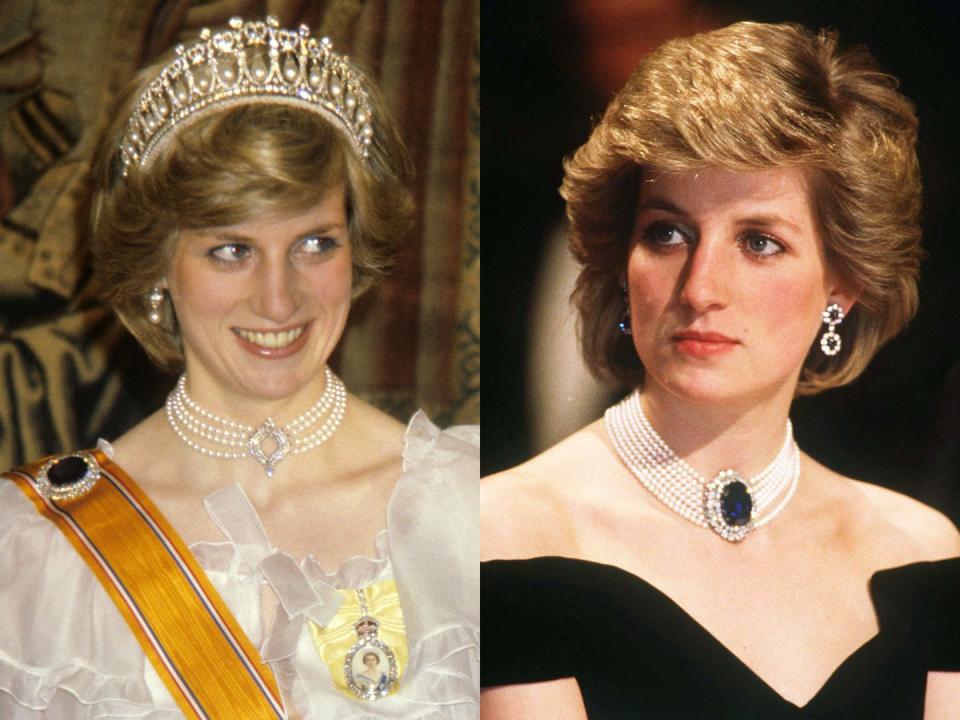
[{"x": 67, "y": 654}]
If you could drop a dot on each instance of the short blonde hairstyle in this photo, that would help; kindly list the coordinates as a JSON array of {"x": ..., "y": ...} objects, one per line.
[
  {"x": 746, "y": 97},
  {"x": 228, "y": 167}
]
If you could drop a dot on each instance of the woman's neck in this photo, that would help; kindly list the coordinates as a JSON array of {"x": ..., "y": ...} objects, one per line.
[
  {"x": 712, "y": 436},
  {"x": 258, "y": 442}
]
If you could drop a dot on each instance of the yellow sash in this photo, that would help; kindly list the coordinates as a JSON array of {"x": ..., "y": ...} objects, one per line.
[{"x": 186, "y": 630}]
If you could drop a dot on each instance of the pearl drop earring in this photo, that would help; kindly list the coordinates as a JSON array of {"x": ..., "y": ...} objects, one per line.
[{"x": 155, "y": 300}]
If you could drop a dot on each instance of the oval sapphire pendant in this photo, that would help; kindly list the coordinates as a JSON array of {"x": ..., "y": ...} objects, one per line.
[{"x": 729, "y": 506}]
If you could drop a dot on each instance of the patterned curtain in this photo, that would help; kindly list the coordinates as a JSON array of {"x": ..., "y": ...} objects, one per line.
[{"x": 68, "y": 373}]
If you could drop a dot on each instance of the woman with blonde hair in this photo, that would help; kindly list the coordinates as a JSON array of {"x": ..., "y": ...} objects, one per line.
[
  {"x": 235, "y": 553},
  {"x": 746, "y": 215}
]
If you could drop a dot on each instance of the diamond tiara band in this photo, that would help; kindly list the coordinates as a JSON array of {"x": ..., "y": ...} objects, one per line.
[{"x": 252, "y": 61}]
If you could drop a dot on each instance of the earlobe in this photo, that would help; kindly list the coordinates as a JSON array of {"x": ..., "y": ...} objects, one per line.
[
  {"x": 844, "y": 300},
  {"x": 844, "y": 295}
]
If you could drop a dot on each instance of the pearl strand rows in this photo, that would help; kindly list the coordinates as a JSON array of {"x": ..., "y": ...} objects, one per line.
[
  {"x": 190, "y": 421},
  {"x": 318, "y": 408},
  {"x": 677, "y": 485}
]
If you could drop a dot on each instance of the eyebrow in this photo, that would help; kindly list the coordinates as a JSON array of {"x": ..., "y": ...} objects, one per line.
[
  {"x": 239, "y": 237},
  {"x": 769, "y": 221},
  {"x": 659, "y": 203},
  {"x": 762, "y": 220}
]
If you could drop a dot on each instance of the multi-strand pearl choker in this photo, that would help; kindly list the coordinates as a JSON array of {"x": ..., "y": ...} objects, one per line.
[
  {"x": 729, "y": 505},
  {"x": 222, "y": 438}
]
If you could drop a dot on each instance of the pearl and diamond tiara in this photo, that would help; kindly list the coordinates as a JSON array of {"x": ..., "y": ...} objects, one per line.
[{"x": 251, "y": 62}]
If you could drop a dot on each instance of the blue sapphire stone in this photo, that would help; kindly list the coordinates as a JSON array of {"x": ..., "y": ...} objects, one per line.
[
  {"x": 67, "y": 470},
  {"x": 736, "y": 505}
]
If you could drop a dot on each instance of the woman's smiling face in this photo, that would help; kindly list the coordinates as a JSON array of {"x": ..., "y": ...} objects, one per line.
[
  {"x": 727, "y": 279},
  {"x": 262, "y": 304}
]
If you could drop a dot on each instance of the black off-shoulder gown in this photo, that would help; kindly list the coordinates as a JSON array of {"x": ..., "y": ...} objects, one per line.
[{"x": 636, "y": 654}]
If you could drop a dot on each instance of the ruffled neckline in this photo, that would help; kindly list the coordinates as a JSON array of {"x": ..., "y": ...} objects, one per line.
[{"x": 246, "y": 543}]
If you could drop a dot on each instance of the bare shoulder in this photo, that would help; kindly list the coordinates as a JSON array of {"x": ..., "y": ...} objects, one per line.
[
  {"x": 530, "y": 510},
  {"x": 368, "y": 439},
  {"x": 933, "y": 534},
  {"x": 521, "y": 515},
  {"x": 904, "y": 528},
  {"x": 142, "y": 435},
  {"x": 144, "y": 450},
  {"x": 380, "y": 429}
]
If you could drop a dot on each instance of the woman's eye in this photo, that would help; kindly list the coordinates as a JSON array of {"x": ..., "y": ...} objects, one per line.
[
  {"x": 665, "y": 234},
  {"x": 234, "y": 252},
  {"x": 760, "y": 244},
  {"x": 317, "y": 244}
]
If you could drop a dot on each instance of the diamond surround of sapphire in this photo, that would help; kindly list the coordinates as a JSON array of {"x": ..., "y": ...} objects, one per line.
[
  {"x": 68, "y": 477},
  {"x": 729, "y": 506}
]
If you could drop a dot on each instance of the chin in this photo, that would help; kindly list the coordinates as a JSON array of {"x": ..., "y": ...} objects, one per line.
[
  {"x": 700, "y": 383},
  {"x": 269, "y": 380},
  {"x": 284, "y": 383},
  {"x": 701, "y": 393},
  {"x": 714, "y": 388},
  {"x": 276, "y": 390}
]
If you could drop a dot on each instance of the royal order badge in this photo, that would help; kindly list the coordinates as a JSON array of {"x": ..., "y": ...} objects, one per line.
[{"x": 370, "y": 666}]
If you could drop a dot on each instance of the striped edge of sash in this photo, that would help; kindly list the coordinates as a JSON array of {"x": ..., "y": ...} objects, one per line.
[{"x": 199, "y": 650}]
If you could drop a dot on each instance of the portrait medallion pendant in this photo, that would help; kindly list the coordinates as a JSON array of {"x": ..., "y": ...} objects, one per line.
[
  {"x": 729, "y": 506},
  {"x": 370, "y": 666}
]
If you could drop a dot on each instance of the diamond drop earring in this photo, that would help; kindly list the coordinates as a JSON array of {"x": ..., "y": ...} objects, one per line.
[{"x": 830, "y": 342}]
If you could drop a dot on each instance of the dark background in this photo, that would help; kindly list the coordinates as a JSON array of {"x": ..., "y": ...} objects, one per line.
[{"x": 898, "y": 424}]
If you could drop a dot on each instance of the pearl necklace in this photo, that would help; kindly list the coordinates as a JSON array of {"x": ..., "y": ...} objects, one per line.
[
  {"x": 219, "y": 437},
  {"x": 728, "y": 505}
]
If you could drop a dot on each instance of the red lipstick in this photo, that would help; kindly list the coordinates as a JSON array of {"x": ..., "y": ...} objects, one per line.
[{"x": 703, "y": 344}]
